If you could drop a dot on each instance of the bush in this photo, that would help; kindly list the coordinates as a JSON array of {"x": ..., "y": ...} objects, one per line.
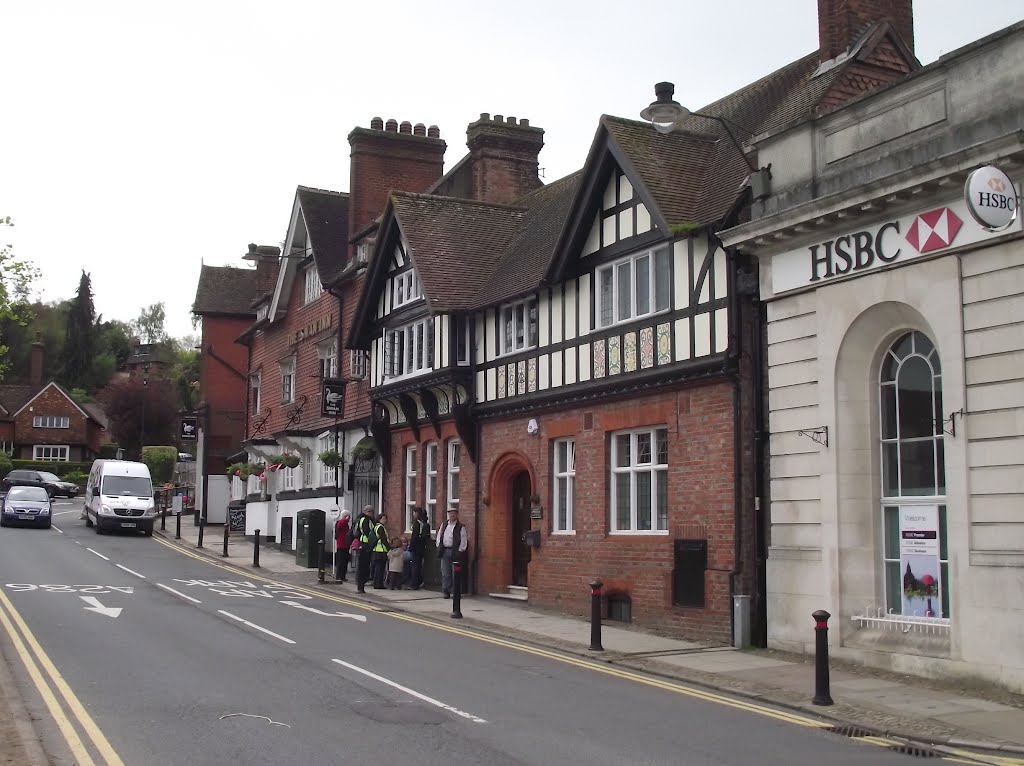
[
  {"x": 56, "y": 467},
  {"x": 109, "y": 451},
  {"x": 161, "y": 462},
  {"x": 76, "y": 477},
  {"x": 5, "y": 464}
]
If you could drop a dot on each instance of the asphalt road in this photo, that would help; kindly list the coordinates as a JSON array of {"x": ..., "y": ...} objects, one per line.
[{"x": 206, "y": 666}]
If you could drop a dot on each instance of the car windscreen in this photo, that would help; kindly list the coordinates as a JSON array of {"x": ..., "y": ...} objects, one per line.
[
  {"x": 49, "y": 476},
  {"x": 138, "y": 486},
  {"x": 27, "y": 495}
]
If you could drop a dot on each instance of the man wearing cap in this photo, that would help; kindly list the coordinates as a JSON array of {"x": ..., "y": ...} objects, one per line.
[{"x": 452, "y": 540}]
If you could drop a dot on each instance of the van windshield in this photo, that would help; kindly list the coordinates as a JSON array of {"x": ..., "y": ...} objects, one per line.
[{"x": 139, "y": 486}]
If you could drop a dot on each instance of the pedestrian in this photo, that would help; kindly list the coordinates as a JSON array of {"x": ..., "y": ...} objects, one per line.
[
  {"x": 364, "y": 530},
  {"x": 396, "y": 563},
  {"x": 342, "y": 541},
  {"x": 380, "y": 551},
  {"x": 418, "y": 547},
  {"x": 452, "y": 541}
]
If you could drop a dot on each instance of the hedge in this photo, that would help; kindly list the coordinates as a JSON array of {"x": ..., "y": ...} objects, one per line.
[
  {"x": 62, "y": 469},
  {"x": 161, "y": 461}
]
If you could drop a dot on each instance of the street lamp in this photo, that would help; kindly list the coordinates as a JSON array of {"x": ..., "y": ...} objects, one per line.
[
  {"x": 142, "y": 427},
  {"x": 664, "y": 113}
]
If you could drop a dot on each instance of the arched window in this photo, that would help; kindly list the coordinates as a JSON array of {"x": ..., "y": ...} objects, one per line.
[{"x": 913, "y": 475}]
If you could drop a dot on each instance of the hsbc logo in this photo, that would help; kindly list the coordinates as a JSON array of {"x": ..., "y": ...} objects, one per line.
[{"x": 934, "y": 230}]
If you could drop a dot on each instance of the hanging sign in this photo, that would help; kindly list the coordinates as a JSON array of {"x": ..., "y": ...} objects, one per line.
[
  {"x": 919, "y": 560},
  {"x": 991, "y": 198},
  {"x": 332, "y": 398},
  {"x": 189, "y": 429}
]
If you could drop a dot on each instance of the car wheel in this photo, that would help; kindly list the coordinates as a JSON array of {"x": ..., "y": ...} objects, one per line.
[
  {"x": 48, "y": 524},
  {"x": 3, "y": 523},
  {"x": 99, "y": 529},
  {"x": 88, "y": 520},
  {"x": 147, "y": 532}
]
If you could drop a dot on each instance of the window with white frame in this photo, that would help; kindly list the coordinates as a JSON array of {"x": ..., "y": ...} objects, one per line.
[
  {"x": 410, "y": 349},
  {"x": 406, "y": 288},
  {"x": 454, "y": 457},
  {"x": 913, "y": 477},
  {"x": 564, "y": 486},
  {"x": 254, "y": 384},
  {"x": 324, "y": 443},
  {"x": 430, "y": 481},
  {"x": 410, "y": 484},
  {"x": 50, "y": 452},
  {"x": 328, "y": 354},
  {"x": 357, "y": 363},
  {"x": 51, "y": 421},
  {"x": 313, "y": 287},
  {"x": 237, "y": 488},
  {"x": 307, "y": 471},
  {"x": 639, "y": 462},
  {"x": 288, "y": 478},
  {"x": 517, "y": 325},
  {"x": 288, "y": 381},
  {"x": 462, "y": 340},
  {"x": 634, "y": 287}
]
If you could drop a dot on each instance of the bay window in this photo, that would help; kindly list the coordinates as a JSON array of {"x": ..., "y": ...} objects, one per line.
[{"x": 410, "y": 349}]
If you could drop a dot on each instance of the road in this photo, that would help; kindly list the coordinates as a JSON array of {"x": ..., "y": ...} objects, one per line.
[{"x": 159, "y": 657}]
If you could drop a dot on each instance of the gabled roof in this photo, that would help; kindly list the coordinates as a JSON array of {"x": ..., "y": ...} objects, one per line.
[
  {"x": 12, "y": 397},
  {"x": 225, "y": 290},
  {"x": 97, "y": 413},
  {"x": 37, "y": 394}
]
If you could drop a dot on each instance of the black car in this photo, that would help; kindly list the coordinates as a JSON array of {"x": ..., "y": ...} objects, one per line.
[
  {"x": 57, "y": 486},
  {"x": 27, "y": 505},
  {"x": 23, "y": 477}
]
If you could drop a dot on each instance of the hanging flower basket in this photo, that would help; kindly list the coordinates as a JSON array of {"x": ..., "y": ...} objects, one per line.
[
  {"x": 235, "y": 469},
  {"x": 364, "y": 451},
  {"x": 290, "y": 461},
  {"x": 330, "y": 458}
]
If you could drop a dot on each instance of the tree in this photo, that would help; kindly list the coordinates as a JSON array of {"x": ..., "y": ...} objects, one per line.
[
  {"x": 16, "y": 277},
  {"x": 184, "y": 371},
  {"x": 114, "y": 339},
  {"x": 80, "y": 337},
  {"x": 140, "y": 411},
  {"x": 149, "y": 325}
]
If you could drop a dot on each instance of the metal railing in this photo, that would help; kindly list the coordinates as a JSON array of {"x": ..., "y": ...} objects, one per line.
[{"x": 879, "y": 619}]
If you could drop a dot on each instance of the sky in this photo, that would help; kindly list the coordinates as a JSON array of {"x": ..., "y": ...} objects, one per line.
[{"x": 139, "y": 140}]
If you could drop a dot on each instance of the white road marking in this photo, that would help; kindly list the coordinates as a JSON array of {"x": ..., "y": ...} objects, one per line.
[
  {"x": 58, "y": 529},
  {"x": 61, "y": 513},
  {"x": 359, "y": 617},
  {"x": 416, "y": 694},
  {"x": 99, "y": 608},
  {"x": 178, "y": 593},
  {"x": 129, "y": 571},
  {"x": 254, "y": 626},
  {"x": 98, "y": 554}
]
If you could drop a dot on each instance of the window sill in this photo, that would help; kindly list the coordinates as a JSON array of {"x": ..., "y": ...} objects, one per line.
[
  {"x": 523, "y": 350},
  {"x": 638, "y": 533},
  {"x": 632, "y": 320},
  {"x": 563, "y": 532}
]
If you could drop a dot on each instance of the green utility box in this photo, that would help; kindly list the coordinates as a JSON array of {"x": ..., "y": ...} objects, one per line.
[{"x": 310, "y": 528}]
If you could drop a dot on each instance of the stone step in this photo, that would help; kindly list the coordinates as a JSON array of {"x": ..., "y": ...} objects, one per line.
[{"x": 519, "y": 595}]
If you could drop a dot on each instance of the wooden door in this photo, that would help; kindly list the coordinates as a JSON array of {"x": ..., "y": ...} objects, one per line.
[{"x": 520, "y": 526}]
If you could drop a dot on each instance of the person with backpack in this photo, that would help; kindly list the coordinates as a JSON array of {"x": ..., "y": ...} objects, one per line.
[
  {"x": 381, "y": 545},
  {"x": 363, "y": 533},
  {"x": 452, "y": 541},
  {"x": 417, "y": 547},
  {"x": 342, "y": 542}
]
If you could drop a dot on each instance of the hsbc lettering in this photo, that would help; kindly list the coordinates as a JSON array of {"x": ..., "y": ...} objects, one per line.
[{"x": 853, "y": 252}]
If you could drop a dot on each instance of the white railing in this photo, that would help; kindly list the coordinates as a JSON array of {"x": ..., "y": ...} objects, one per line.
[{"x": 876, "y": 617}]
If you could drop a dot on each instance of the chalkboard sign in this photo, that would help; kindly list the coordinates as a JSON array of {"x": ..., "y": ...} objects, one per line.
[{"x": 236, "y": 520}]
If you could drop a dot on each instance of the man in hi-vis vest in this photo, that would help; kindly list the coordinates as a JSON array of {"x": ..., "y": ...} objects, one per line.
[{"x": 452, "y": 539}]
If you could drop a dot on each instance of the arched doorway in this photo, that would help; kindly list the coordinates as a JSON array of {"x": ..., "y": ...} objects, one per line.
[
  {"x": 519, "y": 505},
  {"x": 364, "y": 476}
]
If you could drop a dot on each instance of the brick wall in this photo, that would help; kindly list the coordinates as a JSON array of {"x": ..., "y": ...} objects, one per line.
[
  {"x": 51, "y": 402},
  {"x": 841, "y": 22},
  {"x": 223, "y": 365},
  {"x": 357, "y": 392}
]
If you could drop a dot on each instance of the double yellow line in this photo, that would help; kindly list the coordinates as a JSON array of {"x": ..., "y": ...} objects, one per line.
[{"x": 37, "y": 663}]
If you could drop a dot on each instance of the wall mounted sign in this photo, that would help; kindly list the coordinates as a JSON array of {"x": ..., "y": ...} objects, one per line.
[
  {"x": 919, "y": 560},
  {"x": 189, "y": 429},
  {"x": 880, "y": 244},
  {"x": 991, "y": 198},
  {"x": 314, "y": 328},
  {"x": 332, "y": 398}
]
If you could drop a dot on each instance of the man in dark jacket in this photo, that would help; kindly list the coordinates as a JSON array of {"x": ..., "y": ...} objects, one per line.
[
  {"x": 364, "y": 531},
  {"x": 418, "y": 546}
]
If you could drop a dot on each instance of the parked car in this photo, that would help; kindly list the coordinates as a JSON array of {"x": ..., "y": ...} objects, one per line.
[
  {"x": 60, "y": 487},
  {"x": 20, "y": 477},
  {"x": 27, "y": 505}
]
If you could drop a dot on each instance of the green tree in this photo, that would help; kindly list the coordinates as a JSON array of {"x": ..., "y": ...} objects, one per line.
[
  {"x": 184, "y": 372},
  {"x": 149, "y": 325},
  {"x": 80, "y": 337},
  {"x": 141, "y": 411},
  {"x": 16, "y": 278},
  {"x": 114, "y": 339}
]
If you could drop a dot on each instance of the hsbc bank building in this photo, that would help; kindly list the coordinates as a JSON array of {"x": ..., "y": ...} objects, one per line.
[{"x": 890, "y": 261}]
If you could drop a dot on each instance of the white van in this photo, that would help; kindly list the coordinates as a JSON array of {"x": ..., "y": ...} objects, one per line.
[{"x": 119, "y": 495}]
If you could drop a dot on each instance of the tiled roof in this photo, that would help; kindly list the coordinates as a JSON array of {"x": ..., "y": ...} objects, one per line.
[
  {"x": 326, "y": 216},
  {"x": 225, "y": 290},
  {"x": 96, "y": 412},
  {"x": 14, "y": 397},
  {"x": 456, "y": 244}
]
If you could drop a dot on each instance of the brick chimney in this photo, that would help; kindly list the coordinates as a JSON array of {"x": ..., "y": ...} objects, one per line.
[
  {"x": 503, "y": 153},
  {"x": 386, "y": 159},
  {"x": 35, "y": 363},
  {"x": 842, "y": 22},
  {"x": 268, "y": 259}
]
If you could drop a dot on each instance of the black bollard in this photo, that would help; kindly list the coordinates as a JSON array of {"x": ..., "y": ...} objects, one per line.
[
  {"x": 821, "y": 690},
  {"x": 320, "y": 561},
  {"x": 456, "y": 586},
  {"x": 256, "y": 550},
  {"x": 226, "y": 530},
  {"x": 163, "y": 513},
  {"x": 595, "y": 616},
  {"x": 177, "y": 525},
  {"x": 202, "y": 527}
]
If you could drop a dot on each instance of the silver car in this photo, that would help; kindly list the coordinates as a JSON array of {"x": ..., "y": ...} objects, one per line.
[{"x": 27, "y": 505}]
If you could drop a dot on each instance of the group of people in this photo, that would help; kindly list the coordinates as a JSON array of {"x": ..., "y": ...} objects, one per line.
[{"x": 396, "y": 562}]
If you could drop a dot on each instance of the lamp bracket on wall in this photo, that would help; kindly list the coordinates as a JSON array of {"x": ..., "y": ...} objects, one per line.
[
  {"x": 819, "y": 435},
  {"x": 948, "y": 425}
]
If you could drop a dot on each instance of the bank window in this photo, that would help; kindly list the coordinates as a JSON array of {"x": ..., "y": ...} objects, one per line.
[
  {"x": 564, "y": 486},
  {"x": 634, "y": 287},
  {"x": 51, "y": 421},
  {"x": 454, "y": 457},
  {"x": 639, "y": 491},
  {"x": 430, "y": 484},
  {"x": 517, "y": 326},
  {"x": 313, "y": 286},
  {"x": 50, "y": 453},
  {"x": 913, "y": 475},
  {"x": 410, "y": 349},
  {"x": 288, "y": 381},
  {"x": 406, "y": 288},
  {"x": 328, "y": 354},
  {"x": 410, "y": 484}
]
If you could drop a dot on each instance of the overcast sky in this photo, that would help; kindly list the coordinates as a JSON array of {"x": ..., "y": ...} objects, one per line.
[{"x": 141, "y": 139}]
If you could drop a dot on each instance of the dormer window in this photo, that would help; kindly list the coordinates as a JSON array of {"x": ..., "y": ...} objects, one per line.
[
  {"x": 313, "y": 286},
  {"x": 362, "y": 253},
  {"x": 262, "y": 312},
  {"x": 517, "y": 326},
  {"x": 406, "y": 288}
]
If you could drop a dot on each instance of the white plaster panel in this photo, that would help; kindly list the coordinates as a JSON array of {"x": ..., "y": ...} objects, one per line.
[
  {"x": 569, "y": 308},
  {"x": 993, "y": 480},
  {"x": 544, "y": 373},
  {"x": 610, "y": 195},
  {"x": 994, "y": 340},
  {"x": 793, "y": 328},
  {"x": 796, "y": 488},
  {"x": 721, "y": 330},
  {"x": 796, "y": 512},
  {"x": 488, "y": 333},
  {"x": 804, "y": 395},
  {"x": 682, "y": 339},
  {"x": 988, "y": 509},
  {"x": 997, "y": 537},
  {"x": 556, "y": 369},
  {"x": 625, "y": 224},
  {"x": 441, "y": 330},
  {"x": 586, "y": 366},
  {"x": 584, "y": 305},
  {"x": 995, "y": 396},
  {"x": 995, "y": 425},
  {"x": 492, "y": 384},
  {"x": 643, "y": 219},
  {"x": 994, "y": 312},
  {"x": 556, "y": 316},
  {"x": 380, "y": 305},
  {"x": 680, "y": 256},
  {"x": 997, "y": 368},
  {"x": 608, "y": 233},
  {"x": 994, "y": 284},
  {"x": 996, "y": 452},
  {"x": 593, "y": 243},
  {"x": 481, "y": 387},
  {"x": 699, "y": 248},
  {"x": 797, "y": 535},
  {"x": 793, "y": 374},
  {"x": 800, "y": 418},
  {"x": 721, "y": 274},
  {"x": 570, "y": 365},
  {"x": 800, "y": 350},
  {"x": 702, "y": 335},
  {"x": 543, "y": 314},
  {"x": 625, "y": 190}
]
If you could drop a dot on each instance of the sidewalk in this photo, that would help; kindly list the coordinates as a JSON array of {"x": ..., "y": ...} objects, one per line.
[{"x": 865, "y": 699}]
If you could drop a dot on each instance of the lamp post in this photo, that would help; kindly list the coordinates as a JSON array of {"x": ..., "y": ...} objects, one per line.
[{"x": 142, "y": 426}]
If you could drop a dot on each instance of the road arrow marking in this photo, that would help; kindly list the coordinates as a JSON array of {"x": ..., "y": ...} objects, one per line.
[
  {"x": 297, "y": 605},
  {"x": 97, "y": 607}
]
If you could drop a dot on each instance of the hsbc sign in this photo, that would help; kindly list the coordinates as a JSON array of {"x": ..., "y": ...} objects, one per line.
[{"x": 882, "y": 244}]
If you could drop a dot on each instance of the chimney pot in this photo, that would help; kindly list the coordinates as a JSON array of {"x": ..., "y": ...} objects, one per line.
[
  {"x": 485, "y": 117},
  {"x": 434, "y": 132},
  {"x": 510, "y": 120},
  {"x": 499, "y": 118},
  {"x": 391, "y": 126},
  {"x": 377, "y": 124},
  {"x": 524, "y": 123},
  {"x": 406, "y": 127},
  {"x": 419, "y": 129},
  {"x": 252, "y": 247}
]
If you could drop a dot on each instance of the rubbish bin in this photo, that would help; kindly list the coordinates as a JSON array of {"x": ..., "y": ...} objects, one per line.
[{"x": 310, "y": 526}]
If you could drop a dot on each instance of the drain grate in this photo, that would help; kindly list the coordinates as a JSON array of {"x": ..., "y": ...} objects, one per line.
[
  {"x": 850, "y": 730},
  {"x": 915, "y": 750}
]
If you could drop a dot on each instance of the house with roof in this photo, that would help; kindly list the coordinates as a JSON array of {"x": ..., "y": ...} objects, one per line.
[{"x": 577, "y": 366}]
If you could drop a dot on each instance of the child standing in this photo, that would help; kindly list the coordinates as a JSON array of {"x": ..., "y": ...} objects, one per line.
[{"x": 396, "y": 564}]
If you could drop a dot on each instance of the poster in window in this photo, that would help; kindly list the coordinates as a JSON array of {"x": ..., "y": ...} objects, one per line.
[{"x": 919, "y": 559}]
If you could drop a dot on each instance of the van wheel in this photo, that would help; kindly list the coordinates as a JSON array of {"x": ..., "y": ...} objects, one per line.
[
  {"x": 88, "y": 521},
  {"x": 99, "y": 529},
  {"x": 147, "y": 532}
]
